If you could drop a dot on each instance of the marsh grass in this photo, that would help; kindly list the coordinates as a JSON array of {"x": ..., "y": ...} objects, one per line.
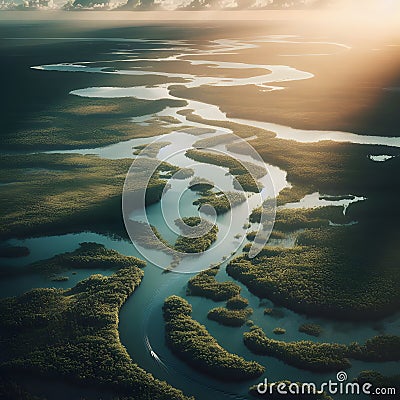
[
  {"x": 221, "y": 202},
  {"x": 322, "y": 275},
  {"x": 188, "y": 244}
]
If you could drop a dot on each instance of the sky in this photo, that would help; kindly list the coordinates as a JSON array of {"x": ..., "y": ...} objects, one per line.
[{"x": 358, "y": 6}]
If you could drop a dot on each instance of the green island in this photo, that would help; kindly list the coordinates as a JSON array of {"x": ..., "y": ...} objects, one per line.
[
  {"x": 147, "y": 236},
  {"x": 229, "y": 317},
  {"x": 14, "y": 251},
  {"x": 236, "y": 312},
  {"x": 279, "y": 331},
  {"x": 73, "y": 334},
  {"x": 247, "y": 183},
  {"x": 221, "y": 202},
  {"x": 59, "y": 278},
  {"x": 291, "y": 195},
  {"x": 302, "y": 354},
  {"x": 311, "y": 329},
  {"x": 198, "y": 184},
  {"x": 316, "y": 356},
  {"x": 245, "y": 173},
  {"x": 205, "y": 285},
  {"x": 187, "y": 243},
  {"x": 191, "y": 341},
  {"x": 290, "y": 388}
]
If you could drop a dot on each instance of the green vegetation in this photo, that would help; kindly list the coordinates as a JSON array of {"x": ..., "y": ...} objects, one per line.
[
  {"x": 242, "y": 171},
  {"x": 221, "y": 202},
  {"x": 10, "y": 389},
  {"x": 205, "y": 235},
  {"x": 87, "y": 256},
  {"x": 214, "y": 141},
  {"x": 183, "y": 173},
  {"x": 169, "y": 119},
  {"x": 237, "y": 303},
  {"x": 199, "y": 184},
  {"x": 291, "y": 195},
  {"x": 191, "y": 341},
  {"x": 14, "y": 251},
  {"x": 277, "y": 235},
  {"x": 303, "y": 354},
  {"x": 378, "y": 348},
  {"x": 311, "y": 329},
  {"x": 243, "y": 131},
  {"x": 337, "y": 169},
  {"x": 274, "y": 312},
  {"x": 73, "y": 334},
  {"x": 149, "y": 150},
  {"x": 205, "y": 285},
  {"x": 252, "y": 236},
  {"x": 229, "y": 317},
  {"x": 291, "y": 219},
  {"x": 196, "y": 131},
  {"x": 279, "y": 331},
  {"x": 84, "y": 122},
  {"x": 61, "y": 193},
  {"x": 59, "y": 278},
  {"x": 317, "y": 356},
  {"x": 327, "y": 167},
  {"x": 336, "y": 198}
]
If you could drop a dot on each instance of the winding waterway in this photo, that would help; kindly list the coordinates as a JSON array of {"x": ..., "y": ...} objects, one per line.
[{"x": 140, "y": 318}]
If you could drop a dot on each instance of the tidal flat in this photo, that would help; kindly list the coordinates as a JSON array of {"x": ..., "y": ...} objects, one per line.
[{"x": 83, "y": 98}]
